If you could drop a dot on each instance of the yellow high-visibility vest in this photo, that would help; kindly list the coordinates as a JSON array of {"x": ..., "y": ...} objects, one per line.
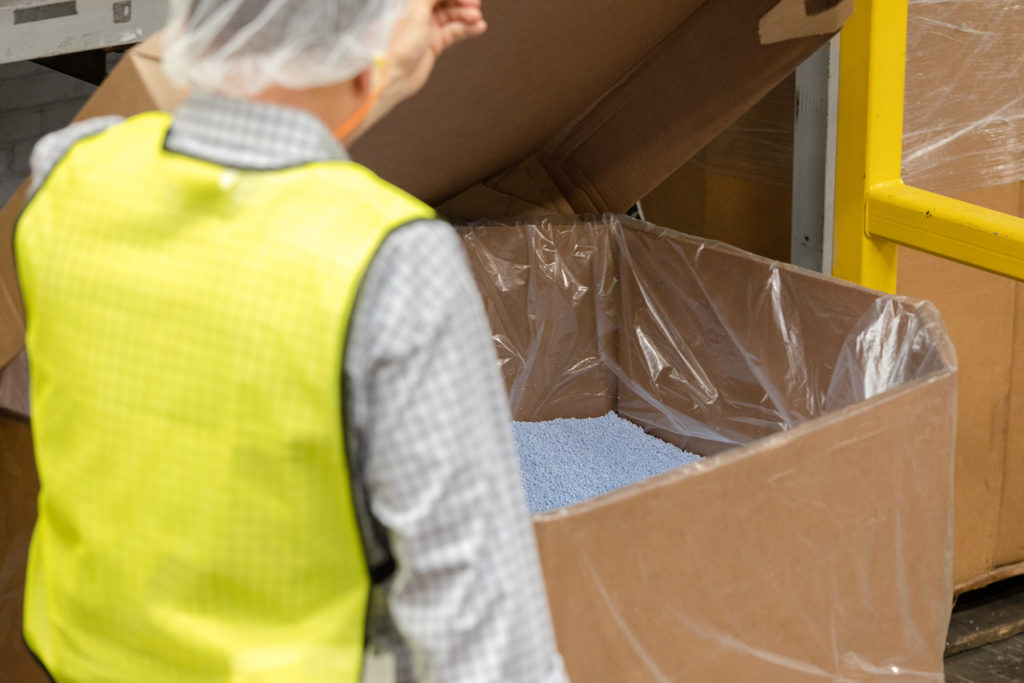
[{"x": 186, "y": 328}]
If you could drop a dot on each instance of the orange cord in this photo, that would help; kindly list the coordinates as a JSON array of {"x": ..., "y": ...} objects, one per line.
[{"x": 360, "y": 114}]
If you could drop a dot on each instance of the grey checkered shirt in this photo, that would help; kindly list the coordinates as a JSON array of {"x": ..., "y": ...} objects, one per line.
[{"x": 434, "y": 470}]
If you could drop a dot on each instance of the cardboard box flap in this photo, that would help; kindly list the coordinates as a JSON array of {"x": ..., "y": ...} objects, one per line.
[
  {"x": 495, "y": 100},
  {"x": 136, "y": 85},
  {"x": 12, "y": 317},
  {"x": 795, "y": 18},
  {"x": 661, "y": 115},
  {"x": 819, "y": 554},
  {"x": 610, "y": 106}
]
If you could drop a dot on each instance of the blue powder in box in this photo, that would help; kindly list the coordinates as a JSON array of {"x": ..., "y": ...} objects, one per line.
[{"x": 568, "y": 461}]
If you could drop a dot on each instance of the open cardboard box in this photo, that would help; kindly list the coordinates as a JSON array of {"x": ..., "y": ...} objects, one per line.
[
  {"x": 821, "y": 551},
  {"x": 817, "y": 552}
]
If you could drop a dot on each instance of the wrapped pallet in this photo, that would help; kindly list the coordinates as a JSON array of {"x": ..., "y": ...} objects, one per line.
[{"x": 963, "y": 137}]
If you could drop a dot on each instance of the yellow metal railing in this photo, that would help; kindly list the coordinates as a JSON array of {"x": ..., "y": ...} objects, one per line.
[{"x": 874, "y": 210}]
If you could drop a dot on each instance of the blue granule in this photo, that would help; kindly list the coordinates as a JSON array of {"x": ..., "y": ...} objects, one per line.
[{"x": 568, "y": 461}]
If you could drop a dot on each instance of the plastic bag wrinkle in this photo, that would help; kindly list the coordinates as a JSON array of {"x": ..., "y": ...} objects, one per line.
[
  {"x": 670, "y": 331},
  {"x": 964, "y": 117}
]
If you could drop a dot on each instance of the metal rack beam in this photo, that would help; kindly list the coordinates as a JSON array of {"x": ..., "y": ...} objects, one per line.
[{"x": 31, "y": 29}]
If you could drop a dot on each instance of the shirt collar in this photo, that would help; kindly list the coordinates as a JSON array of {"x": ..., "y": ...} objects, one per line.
[{"x": 252, "y": 135}]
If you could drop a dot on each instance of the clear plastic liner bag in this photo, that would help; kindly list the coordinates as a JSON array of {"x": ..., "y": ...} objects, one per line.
[{"x": 614, "y": 314}]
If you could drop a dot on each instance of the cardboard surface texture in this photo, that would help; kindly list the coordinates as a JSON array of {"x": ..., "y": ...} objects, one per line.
[
  {"x": 985, "y": 319},
  {"x": 817, "y": 552},
  {"x": 18, "y": 486},
  {"x": 792, "y": 18},
  {"x": 742, "y": 178}
]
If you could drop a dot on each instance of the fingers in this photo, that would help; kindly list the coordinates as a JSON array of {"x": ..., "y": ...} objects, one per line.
[
  {"x": 454, "y": 33},
  {"x": 461, "y": 14},
  {"x": 458, "y": 3},
  {"x": 458, "y": 20}
]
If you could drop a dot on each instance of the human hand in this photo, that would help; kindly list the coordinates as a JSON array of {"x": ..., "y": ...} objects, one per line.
[
  {"x": 428, "y": 28},
  {"x": 455, "y": 21}
]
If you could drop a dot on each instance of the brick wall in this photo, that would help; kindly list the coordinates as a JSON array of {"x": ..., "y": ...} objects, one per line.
[{"x": 34, "y": 100}]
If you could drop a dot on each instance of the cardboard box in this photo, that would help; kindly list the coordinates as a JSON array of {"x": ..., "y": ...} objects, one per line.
[
  {"x": 982, "y": 313},
  {"x": 817, "y": 552},
  {"x": 972, "y": 148},
  {"x": 821, "y": 551},
  {"x": 985, "y": 317},
  {"x": 18, "y": 486}
]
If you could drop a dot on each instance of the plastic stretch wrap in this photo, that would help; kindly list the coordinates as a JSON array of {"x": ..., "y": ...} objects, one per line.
[
  {"x": 759, "y": 145},
  {"x": 594, "y": 316},
  {"x": 964, "y": 101}
]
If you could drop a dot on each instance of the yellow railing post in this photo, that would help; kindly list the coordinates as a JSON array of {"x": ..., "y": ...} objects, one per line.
[
  {"x": 874, "y": 210},
  {"x": 950, "y": 228},
  {"x": 869, "y": 141}
]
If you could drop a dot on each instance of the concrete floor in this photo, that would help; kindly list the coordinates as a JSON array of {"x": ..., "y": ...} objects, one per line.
[
  {"x": 1000, "y": 662},
  {"x": 987, "y": 633}
]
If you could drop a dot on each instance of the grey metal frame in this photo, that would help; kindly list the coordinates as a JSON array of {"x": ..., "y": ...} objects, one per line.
[
  {"x": 31, "y": 29},
  {"x": 814, "y": 159}
]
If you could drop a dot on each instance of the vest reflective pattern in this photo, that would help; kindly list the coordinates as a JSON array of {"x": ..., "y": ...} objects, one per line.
[{"x": 186, "y": 325}]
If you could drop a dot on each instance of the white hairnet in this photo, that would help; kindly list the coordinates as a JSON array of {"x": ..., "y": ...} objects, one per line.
[{"x": 242, "y": 47}]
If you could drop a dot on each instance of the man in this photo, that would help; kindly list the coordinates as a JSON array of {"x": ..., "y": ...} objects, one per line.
[{"x": 262, "y": 376}]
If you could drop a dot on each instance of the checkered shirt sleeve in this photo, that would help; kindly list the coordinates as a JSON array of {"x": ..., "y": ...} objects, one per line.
[{"x": 432, "y": 423}]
